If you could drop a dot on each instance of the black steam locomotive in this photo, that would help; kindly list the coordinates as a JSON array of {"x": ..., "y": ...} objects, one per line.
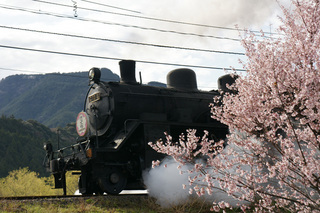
[{"x": 118, "y": 121}]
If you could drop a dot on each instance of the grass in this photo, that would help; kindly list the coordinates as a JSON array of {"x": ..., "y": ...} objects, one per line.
[{"x": 112, "y": 204}]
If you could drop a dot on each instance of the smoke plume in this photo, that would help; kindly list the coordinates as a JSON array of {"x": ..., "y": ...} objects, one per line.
[{"x": 165, "y": 183}]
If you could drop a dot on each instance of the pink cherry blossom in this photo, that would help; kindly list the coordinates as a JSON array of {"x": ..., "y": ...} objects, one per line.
[{"x": 272, "y": 160}]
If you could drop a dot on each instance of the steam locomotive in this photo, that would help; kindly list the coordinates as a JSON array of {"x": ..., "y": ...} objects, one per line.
[{"x": 118, "y": 121}]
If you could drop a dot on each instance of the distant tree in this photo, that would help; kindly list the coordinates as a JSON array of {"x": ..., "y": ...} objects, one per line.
[
  {"x": 273, "y": 157},
  {"x": 23, "y": 182}
]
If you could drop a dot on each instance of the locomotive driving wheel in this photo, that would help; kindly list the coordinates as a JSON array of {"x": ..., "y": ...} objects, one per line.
[{"x": 113, "y": 180}]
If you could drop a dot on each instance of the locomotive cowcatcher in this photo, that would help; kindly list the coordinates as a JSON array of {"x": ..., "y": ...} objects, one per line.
[{"x": 118, "y": 121}]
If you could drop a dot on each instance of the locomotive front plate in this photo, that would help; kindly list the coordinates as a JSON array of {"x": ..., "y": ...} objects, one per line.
[
  {"x": 82, "y": 124},
  {"x": 94, "y": 97}
]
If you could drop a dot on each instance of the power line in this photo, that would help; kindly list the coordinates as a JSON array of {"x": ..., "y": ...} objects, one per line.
[
  {"x": 118, "y": 59},
  {"x": 115, "y": 24},
  {"x": 121, "y": 41},
  {"x": 106, "y": 5},
  {"x": 152, "y": 18},
  {"x": 72, "y": 74}
]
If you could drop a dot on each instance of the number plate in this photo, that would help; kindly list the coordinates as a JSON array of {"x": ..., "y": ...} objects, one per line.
[{"x": 94, "y": 97}]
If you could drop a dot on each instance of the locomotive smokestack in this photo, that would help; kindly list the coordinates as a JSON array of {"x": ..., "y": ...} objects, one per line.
[{"x": 128, "y": 72}]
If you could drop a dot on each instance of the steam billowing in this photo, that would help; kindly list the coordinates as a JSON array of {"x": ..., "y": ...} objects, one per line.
[
  {"x": 228, "y": 13},
  {"x": 165, "y": 183}
]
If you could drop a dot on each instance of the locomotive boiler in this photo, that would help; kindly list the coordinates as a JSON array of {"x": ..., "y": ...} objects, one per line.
[{"x": 118, "y": 121}]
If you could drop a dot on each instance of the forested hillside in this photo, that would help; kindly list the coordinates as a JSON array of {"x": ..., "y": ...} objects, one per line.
[
  {"x": 52, "y": 99},
  {"x": 32, "y": 104},
  {"x": 21, "y": 143}
]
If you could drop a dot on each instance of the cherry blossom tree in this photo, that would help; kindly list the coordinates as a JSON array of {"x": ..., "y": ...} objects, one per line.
[{"x": 272, "y": 160}]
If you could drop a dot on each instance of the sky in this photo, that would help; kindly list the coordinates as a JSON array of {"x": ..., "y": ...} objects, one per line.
[{"x": 161, "y": 35}]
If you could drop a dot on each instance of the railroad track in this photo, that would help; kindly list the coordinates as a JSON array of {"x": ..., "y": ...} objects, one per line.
[
  {"x": 58, "y": 197},
  {"x": 77, "y": 203},
  {"x": 40, "y": 197}
]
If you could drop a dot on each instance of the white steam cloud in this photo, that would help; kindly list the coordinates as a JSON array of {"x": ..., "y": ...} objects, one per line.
[
  {"x": 165, "y": 183},
  {"x": 227, "y": 13}
]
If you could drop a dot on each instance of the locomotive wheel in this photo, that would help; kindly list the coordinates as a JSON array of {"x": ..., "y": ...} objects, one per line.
[{"x": 113, "y": 181}]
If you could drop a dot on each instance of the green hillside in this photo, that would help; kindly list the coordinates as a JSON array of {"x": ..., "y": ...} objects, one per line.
[
  {"x": 21, "y": 143},
  {"x": 52, "y": 99}
]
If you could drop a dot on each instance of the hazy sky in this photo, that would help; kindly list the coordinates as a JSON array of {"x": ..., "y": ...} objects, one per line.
[{"x": 108, "y": 26}]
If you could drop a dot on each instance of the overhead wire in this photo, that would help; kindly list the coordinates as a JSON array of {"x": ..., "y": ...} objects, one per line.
[
  {"x": 110, "y": 6},
  {"x": 111, "y": 40},
  {"x": 114, "y": 58},
  {"x": 121, "y": 41},
  {"x": 152, "y": 18},
  {"x": 74, "y": 75},
  {"x": 115, "y": 24}
]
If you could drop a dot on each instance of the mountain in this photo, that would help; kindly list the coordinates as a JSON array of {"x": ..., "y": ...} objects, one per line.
[
  {"x": 21, "y": 143},
  {"x": 52, "y": 99}
]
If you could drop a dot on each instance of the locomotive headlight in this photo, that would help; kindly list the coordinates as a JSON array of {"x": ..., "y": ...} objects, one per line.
[
  {"x": 91, "y": 74},
  {"x": 94, "y": 74},
  {"x": 47, "y": 147}
]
